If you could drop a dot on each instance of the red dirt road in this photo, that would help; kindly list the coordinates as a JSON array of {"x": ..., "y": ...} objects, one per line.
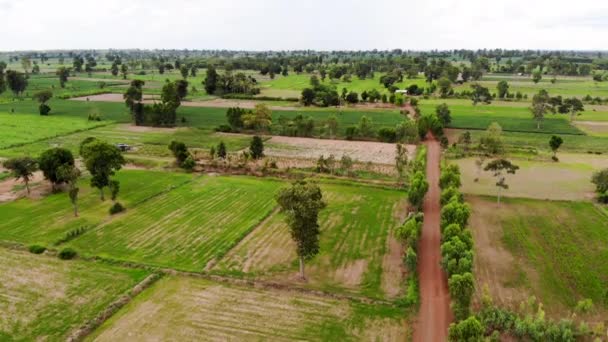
[{"x": 434, "y": 316}]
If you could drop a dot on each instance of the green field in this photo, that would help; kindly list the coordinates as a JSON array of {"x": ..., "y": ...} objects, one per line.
[
  {"x": 18, "y": 129},
  {"x": 186, "y": 227},
  {"x": 356, "y": 238},
  {"x": 195, "y": 309},
  {"x": 48, "y": 219},
  {"x": 44, "y": 298},
  {"x": 559, "y": 249}
]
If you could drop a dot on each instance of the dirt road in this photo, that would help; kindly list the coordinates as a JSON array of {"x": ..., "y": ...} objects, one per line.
[{"x": 434, "y": 316}]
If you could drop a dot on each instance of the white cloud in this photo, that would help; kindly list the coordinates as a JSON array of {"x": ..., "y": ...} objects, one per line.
[{"x": 313, "y": 24}]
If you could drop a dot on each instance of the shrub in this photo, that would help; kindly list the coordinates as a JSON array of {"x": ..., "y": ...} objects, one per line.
[
  {"x": 67, "y": 254},
  {"x": 36, "y": 249},
  {"x": 223, "y": 128},
  {"x": 450, "y": 177},
  {"x": 418, "y": 188},
  {"x": 388, "y": 135},
  {"x": 189, "y": 163},
  {"x": 44, "y": 109},
  {"x": 351, "y": 132},
  {"x": 116, "y": 208}
]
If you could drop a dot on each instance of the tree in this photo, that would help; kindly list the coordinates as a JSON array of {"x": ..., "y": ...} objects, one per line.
[
  {"x": 443, "y": 114},
  {"x": 308, "y": 96},
  {"x": 114, "y": 69},
  {"x": 555, "y": 142},
  {"x": 124, "y": 70},
  {"x": 210, "y": 81},
  {"x": 181, "y": 87},
  {"x": 499, "y": 167},
  {"x": 537, "y": 75},
  {"x": 465, "y": 139},
  {"x": 179, "y": 151},
  {"x": 301, "y": 204},
  {"x": 469, "y": 330},
  {"x": 461, "y": 287},
  {"x": 133, "y": 100},
  {"x": 63, "y": 74},
  {"x": 365, "y": 127},
  {"x": 573, "y": 106},
  {"x": 259, "y": 119},
  {"x": 418, "y": 188},
  {"x": 184, "y": 70},
  {"x": 600, "y": 179},
  {"x": 42, "y": 97},
  {"x": 540, "y": 106},
  {"x": 503, "y": 89},
  {"x": 235, "y": 117},
  {"x": 23, "y": 168},
  {"x": 352, "y": 97},
  {"x": 114, "y": 186},
  {"x": 445, "y": 86},
  {"x": 71, "y": 174},
  {"x": 16, "y": 82},
  {"x": 480, "y": 94},
  {"x": 221, "y": 150},
  {"x": 332, "y": 126},
  {"x": 256, "y": 148},
  {"x": 51, "y": 163},
  {"x": 102, "y": 160},
  {"x": 400, "y": 160}
]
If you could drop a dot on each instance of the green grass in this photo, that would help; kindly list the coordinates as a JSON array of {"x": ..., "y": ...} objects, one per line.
[
  {"x": 46, "y": 220},
  {"x": 564, "y": 243},
  {"x": 109, "y": 111},
  {"x": 18, "y": 129},
  {"x": 355, "y": 228},
  {"x": 44, "y": 298},
  {"x": 565, "y": 86},
  {"x": 188, "y": 308},
  {"x": 187, "y": 227}
]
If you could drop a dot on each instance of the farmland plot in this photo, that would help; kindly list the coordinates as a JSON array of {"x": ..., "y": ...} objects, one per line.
[
  {"x": 357, "y": 250},
  {"x": 48, "y": 219},
  {"x": 187, "y": 227},
  {"x": 194, "y": 309},
  {"x": 44, "y": 298}
]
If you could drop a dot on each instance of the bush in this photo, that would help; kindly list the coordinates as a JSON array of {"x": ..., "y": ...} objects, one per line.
[
  {"x": 189, "y": 163},
  {"x": 37, "y": 249},
  {"x": 388, "y": 135},
  {"x": 67, "y": 254},
  {"x": 116, "y": 208},
  {"x": 223, "y": 128},
  {"x": 44, "y": 109},
  {"x": 351, "y": 132}
]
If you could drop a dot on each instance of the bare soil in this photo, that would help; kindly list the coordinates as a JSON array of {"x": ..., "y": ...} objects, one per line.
[
  {"x": 434, "y": 316},
  {"x": 363, "y": 151},
  {"x": 38, "y": 188}
]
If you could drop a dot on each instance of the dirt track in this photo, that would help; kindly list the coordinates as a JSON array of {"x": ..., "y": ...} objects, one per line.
[{"x": 434, "y": 316}]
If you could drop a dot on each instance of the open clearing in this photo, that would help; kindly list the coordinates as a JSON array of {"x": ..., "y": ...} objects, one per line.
[
  {"x": 358, "y": 252},
  {"x": 187, "y": 227},
  {"x": 48, "y": 219},
  {"x": 194, "y": 309},
  {"x": 569, "y": 179},
  {"x": 554, "y": 250},
  {"x": 44, "y": 298},
  {"x": 363, "y": 151}
]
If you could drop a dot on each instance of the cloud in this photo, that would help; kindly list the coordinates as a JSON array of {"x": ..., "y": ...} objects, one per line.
[{"x": 312, "y": 24}]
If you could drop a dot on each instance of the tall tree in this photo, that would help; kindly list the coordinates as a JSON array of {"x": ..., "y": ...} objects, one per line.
[
  {"x": 71, "y": 174},
  {"x": 63, "y": 74},
  {"x": 124, "y": 70},
  {"x": 22, "y": 168},
  {"x": 210, "y": 81},
  {"x": 499, "y": 168},
  {"x": 572, "y": 105},
  {"x": 555, "y": 142},
  {"x": 42, "y": 97},
  {"x": 540, "y": 106},
  {"x": 52, "y": 161},
  {"x": 503, "y": 89},
  {"x": 256, "y": 148},
  {"x": 102, "y": 160},
  {"x": 133, "y": 100},
  {"x": 301, "y": 204},
  {"x": 259, "y": 119},
  {"x": 443, "y": 114},
  {"x": 16, "y": 82}
]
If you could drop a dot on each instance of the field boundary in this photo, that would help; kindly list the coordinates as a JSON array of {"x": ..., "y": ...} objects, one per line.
[{"x": 90, "y": 326}]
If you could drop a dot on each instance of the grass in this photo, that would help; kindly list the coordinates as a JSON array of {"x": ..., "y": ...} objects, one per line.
[
  {"x": 187, "y": 227},
  {"x": 355, "y": 228},
  {"x": 46, "y": 220},
  {"x": 562, "y": 245},
  {"x": 44, "y": 298},
  {"x": 570, "y": 179},
  {"x": 194, "y": 309},
  {"x": 18, "y": 129}
]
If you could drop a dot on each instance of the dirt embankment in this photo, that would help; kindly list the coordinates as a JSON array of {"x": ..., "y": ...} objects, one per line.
[{"x": 434, "y": 316}]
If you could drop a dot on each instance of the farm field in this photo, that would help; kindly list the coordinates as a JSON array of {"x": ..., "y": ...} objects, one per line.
[
  {"x": 565, "y": 86},
  {"x": 195, "y": 309},
  {"x": 18, "y": 129},
  {"x": 44, "y": 298},
  {"x": 570, "y": 179},
  {"x": 358, "y": 252},
  {"x": 50, "y": 218},
  {"x": 187, "y": 227},
  {"x": 554, "y": 250}
]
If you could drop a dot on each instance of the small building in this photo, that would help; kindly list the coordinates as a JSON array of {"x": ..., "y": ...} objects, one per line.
[
  {"x": 123, "y": 147},
  {"x": 401, "y": 91}
]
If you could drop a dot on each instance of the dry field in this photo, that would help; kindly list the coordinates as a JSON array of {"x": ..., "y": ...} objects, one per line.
[
  {"x": 44, "y": 298},
  {"x": 569, "y": 179},
  {"x": 363, "y": 151},
  {"x": 179, "y": 309}
]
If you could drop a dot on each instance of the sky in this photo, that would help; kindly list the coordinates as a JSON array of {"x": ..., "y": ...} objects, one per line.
[{"x": 311, "y": 24}]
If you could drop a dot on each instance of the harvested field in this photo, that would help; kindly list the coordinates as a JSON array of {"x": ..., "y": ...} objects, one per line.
[
  {"x": 554, "y": 250},
  {"x": 358, "y": 252},
  {"x": 595, "y": 128},
  {"x": 187, "y": 227},
  {"x": 44, "y": 298},
  {"x": 570, "y": 179},
  {"x": 363, "y": 151},
  {"x": 194, "y": 309}
]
